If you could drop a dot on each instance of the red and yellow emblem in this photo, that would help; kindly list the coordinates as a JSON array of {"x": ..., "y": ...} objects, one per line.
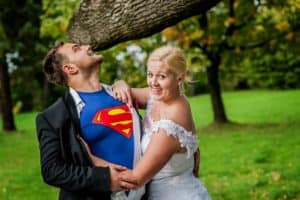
[{"x": 118, "y": 118}]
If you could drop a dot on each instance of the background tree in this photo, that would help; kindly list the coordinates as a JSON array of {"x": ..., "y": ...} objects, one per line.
[
  {"x": 20, "y": 55},
  {"x": 5, "y": 94},
  {"x": 246, "y": 43}
]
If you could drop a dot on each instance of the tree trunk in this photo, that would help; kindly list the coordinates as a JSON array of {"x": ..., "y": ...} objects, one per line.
[
  {"x": 6, "y": 105},
  {"x": 215, "y": 91},
  {"x": 104, "y": 23}
]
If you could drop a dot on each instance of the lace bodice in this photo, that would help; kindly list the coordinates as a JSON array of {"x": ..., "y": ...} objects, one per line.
[
  {"x": 186, "y": 138},
  {"x": 180, "y": 162}
]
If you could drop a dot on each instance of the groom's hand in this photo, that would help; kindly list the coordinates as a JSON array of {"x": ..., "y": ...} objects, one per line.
[
  {"x": 114, "y": 180},
  {"x": 128, "y": 180}
]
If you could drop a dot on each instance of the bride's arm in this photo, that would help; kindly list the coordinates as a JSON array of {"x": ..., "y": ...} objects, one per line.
[
  {"x": 158, "y": 153},
  {"x": 161, "y": 147},
  {"x": 123, "y": 92}
]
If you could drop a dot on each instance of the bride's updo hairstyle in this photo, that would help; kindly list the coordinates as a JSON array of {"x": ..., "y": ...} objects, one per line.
[{"x": 173, "y": 58}]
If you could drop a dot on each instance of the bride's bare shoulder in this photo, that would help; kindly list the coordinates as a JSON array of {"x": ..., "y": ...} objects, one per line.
[{"x": 180, "y": 113}]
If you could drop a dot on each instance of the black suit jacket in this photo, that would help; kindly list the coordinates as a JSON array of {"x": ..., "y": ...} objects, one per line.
[{"x": 64, "y": 160}]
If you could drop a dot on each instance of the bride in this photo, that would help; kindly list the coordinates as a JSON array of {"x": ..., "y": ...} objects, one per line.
[{"x": 168, "y": 141}]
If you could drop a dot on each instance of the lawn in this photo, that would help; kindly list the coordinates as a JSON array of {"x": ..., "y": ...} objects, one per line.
[{"x": 256, "y": 157}]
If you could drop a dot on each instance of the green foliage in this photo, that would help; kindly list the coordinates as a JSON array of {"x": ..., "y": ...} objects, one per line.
[
  {"x": 127, "y": 61},
  {"x": 257, "y": 44},
  {"x": 55, "y": 18},
  {"x": 24, "y": 50},
  {"x": 278, "y": 69},
  {"x": 261, "y": 53},
  {"x": 267, "y": 49}
]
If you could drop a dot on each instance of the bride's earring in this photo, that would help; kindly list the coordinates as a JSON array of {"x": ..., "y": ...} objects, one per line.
[
  {"x": 181, "y": 89},
  {"x": 180, "y": 86}
]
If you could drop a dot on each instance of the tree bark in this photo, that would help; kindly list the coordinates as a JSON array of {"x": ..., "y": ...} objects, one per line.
[
  {"x": 215, "y": 90},
  {"x": 6, "y": 104},
  {"x": 104, "y": 23},
  {"x": 212, "y": 72}
]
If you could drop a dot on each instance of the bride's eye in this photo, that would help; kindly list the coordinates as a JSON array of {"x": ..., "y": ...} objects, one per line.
[
  {"x": 161, "y": 76},
  {"x": 149, "y": 75}
]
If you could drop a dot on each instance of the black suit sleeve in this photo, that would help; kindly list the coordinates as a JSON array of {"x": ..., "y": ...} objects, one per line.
[{"x": 57, "y": 172}]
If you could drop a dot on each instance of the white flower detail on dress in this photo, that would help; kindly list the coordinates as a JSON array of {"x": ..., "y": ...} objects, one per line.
[{"x": 186, "y": 138}]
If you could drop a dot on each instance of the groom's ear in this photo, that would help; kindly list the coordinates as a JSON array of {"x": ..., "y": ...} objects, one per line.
[{"x": 70, "y": 69}]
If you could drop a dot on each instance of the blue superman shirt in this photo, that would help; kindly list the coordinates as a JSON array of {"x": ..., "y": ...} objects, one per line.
[{"x": 106, "y": 125}]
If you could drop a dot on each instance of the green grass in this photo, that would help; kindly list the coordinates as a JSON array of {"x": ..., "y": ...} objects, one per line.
[
  {"x": 251, "y": 107},
  {"x": 252, "y": 163},
  {"x": 257, "y": 157},
  {"x": 20, "y": 169}
]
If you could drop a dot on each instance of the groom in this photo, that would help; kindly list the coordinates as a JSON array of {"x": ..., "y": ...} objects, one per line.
[{"x": 87, "y": 111}]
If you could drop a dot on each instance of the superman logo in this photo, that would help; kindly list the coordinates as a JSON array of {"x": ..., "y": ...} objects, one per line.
[{"x": 118, "y": 118}]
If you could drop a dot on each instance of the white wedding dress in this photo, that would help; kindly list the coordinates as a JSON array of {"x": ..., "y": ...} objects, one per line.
[{"x": 175, "y": 181}]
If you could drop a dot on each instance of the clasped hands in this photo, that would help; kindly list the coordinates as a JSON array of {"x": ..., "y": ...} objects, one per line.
[{"x": 121, "y": 178}]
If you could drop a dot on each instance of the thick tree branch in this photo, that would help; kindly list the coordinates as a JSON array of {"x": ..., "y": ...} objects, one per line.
[{"x": 104, "y": 23}]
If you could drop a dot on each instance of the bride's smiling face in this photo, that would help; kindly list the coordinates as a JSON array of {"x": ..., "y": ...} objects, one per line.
[{"x": 162, "y": 82}]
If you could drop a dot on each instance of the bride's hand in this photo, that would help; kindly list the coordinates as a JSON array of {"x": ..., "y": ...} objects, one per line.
[{"x": 122, "y": 92}]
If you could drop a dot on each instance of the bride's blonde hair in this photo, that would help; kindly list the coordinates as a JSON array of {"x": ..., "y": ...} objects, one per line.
[{"x": 172, "y": 56}]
